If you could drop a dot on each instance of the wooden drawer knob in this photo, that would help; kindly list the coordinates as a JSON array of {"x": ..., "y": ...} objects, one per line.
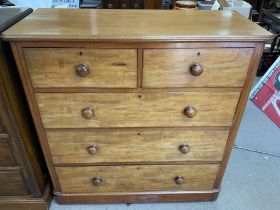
[
  {"x": 184, "y": 148},
  {"x": 190, "y": 111},
  {"x": 179, "y": 180},
  {"x": 88, "y": 112},
  {"x": 196, "y": 69},
  {"x": 82, "y": 70},
  {"x": 97, "y": 181},
  {"x": 92, "y": 150}
]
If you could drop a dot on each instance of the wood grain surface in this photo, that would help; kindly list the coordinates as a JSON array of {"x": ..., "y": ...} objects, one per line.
[
  {"x": 126, "y": 44},
  {"x": 224, "y": 67},
  {"x": 6, "y": 156},
  {"x": 126, "y": 146},
  {"x": 55, "y": 67},
  {"x": 22, "y": 139},
  {"x": 27, "y": 202},
  {"x": 32, "y": 104},
  {"x": 138, "y": 197},
  {"x": 60, "y": 110},
  {"x": 136, "y": 178},
  {"x": 11, "y": 183},
  {"x": 240, "y": 110},
  {"x": 135, "y": 25},
  {"x": 115, "y": 135}
]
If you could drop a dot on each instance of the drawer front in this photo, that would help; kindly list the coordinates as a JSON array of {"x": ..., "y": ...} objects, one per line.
[
  {"x": 100, "y": 68},
  {"x": 72, "y": 110},
  {"x": 6, "y": 156},
  {"x": 105, "y": 179},
  {"x": 11, "y": 183},
  {"x": 225, "y": 67},
  {"x": 158, "y": 145}
]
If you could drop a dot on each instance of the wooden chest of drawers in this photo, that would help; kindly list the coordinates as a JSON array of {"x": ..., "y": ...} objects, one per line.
[{"x": 140, "y": 112}]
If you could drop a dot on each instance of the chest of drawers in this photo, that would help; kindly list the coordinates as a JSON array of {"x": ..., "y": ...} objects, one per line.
[{"x": 140, "y": 112}]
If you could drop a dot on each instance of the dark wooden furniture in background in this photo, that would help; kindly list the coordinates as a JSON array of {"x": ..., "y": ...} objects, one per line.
[
  {"x": 152, "y": 4},
  {"x": 131, "y": 4},
  {"x": 142, "y": 112},
  {"x": 23, "y": 175},
  {"x": 123, "y": 4},
  {"x": 271, "y": 20}
]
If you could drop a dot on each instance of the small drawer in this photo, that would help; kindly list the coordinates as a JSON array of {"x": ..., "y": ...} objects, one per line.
[
  {"x": 97, "y": 68},
  {"x": 142, "y": 178},
  {"x": 224, "y": 67},
  {"x": 94, "y": 110},
  {"x": 6, "y": 156},
  {"x": 11, "y": 183},
  {"x": 157, "y": 145}
]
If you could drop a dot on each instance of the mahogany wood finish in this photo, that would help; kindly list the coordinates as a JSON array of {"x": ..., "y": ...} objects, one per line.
[
  {"x": 25, "y": 203},
  {"x": 96, "y": 25},
  {"x": 154, "y": 117},
  {"x": 163, "y": 196},
  {"x": 136, "y": 178},
  {"x": 196, "y": 67},
  {"x": 240, "y": 110},
  {"x": 136, "y": 110},
  {"x": 137, "y": 145},
  {"x": 6, "y": 156},
  {"x": 114, "y": 68},
  {"x": 11, "y": 183},
  {"x": 23, "y": 175}
]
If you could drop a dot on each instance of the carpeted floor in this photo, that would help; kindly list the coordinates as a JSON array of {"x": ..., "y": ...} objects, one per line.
[{"x": 252, "y": 179}]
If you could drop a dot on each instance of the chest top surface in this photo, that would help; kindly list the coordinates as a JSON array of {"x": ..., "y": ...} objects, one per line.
[{"x": 136, "y": 25}]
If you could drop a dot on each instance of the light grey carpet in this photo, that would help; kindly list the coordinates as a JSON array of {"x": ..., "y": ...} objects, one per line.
[
  {"x": 251, "y": 182},
  {"x": 258, "y": 132}
]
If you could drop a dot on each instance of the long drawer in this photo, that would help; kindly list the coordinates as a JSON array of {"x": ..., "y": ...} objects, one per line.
[
  {"x": 216, "y": 67},
  {"x": 141, "y": 178},
  {"x": 85, "y": 110},
  {"x": 138, "y": 145},
  {"x": 70, "y": 67}
]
